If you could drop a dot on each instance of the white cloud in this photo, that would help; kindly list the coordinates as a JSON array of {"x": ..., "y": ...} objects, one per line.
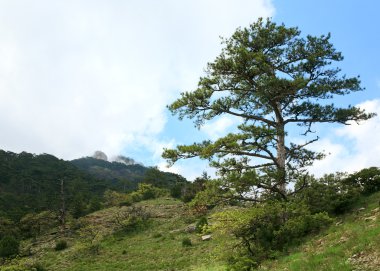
[
  {"x": 218, "y": 127},
  {"x": 351, "y": 147},
  {"x": 77, "y": 76},
  {"x": 191, "y": 169}
]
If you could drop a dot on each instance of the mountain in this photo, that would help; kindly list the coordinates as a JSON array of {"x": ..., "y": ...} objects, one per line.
[
  {"x": 32, "y": 183},
  {"x": 126, "y": 176},
  {"x": 123, "y": 177}
]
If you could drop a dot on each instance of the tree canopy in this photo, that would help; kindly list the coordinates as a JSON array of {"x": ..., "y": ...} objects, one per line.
[{"x": 270, "y": 77}]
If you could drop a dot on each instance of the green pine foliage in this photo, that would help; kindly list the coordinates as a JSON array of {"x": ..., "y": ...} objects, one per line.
[
  {"x": 271, "y": 79},
  {"x": 266, "y": 230},
  {"x": 8, "y": 246}
]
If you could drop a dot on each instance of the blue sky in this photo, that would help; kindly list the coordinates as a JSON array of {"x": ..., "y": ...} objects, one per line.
[{"x": 85, "y": 75}]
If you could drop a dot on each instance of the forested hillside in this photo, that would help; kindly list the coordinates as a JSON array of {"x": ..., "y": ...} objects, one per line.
[
  {"x": 126, "y": 177},
  {"x": 35, "y": 183}
]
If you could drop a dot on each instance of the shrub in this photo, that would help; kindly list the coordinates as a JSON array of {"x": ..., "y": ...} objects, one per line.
[
  {"x": 144, "y": 192},
  {"x": 186, "y": 242},
  {"x": 38, "y": 267},
  {"x": 131, "y": 218},
  {"x": 268, "y": 229},
  {"x": 60, "y": 245},
  {"x": 7, "y": 227},
  {"x": 157, "y": 235},
  {"x": 201, "y": 224},
  {"x": 113, "y": 198},
  {"x": 331, "y": 194},
  {"x": 367, "y": 180},
  {"x": 8, "y": 246},
  {"x": 148, "y": 191},
  {"x": 240, "y": 261}
]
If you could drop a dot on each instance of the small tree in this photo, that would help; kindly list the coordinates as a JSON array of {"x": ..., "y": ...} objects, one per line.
[
  {"x": 8, "y": 246},
  {"x": 113, "y": 198},
  {"x": 269, "y": 77},
  {"x": 7, "y": 227}
]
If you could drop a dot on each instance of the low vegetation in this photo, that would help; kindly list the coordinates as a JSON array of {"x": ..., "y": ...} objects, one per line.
[{"x": 165, "y": 234}]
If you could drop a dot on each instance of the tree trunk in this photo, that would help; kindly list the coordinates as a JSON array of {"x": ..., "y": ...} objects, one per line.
[
  {"x": 281, "y": 158},
  {"x": 281, "y": 151},
  {"x": 62, "y": 211}
]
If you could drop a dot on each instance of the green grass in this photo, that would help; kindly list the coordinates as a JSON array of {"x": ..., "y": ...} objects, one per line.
[
  {"x": 351, "y": 243},
  {"x": 155, "y": 246}
]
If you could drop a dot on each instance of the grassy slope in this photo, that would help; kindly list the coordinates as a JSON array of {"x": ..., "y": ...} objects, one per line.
[
  {"x": 351, "y": 243},
  {"x": 158, "y": 246}
]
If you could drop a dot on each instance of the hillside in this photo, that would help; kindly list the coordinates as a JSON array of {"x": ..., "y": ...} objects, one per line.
[
  {"x": 32, "y": 183},
  {"x": 125, "y": 177},
  {"x": 352, "y": 242},
  {"x": 156, "y": 245}
]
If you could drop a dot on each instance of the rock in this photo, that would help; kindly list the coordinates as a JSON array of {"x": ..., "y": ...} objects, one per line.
[
  {"x": 206, "y": 237},
  {"x": 370, "y": 218},
  {"x": 343, "y": 239},
  {"x": 100, "y": 156},
  {"x": 190, "y": 229},
  {"x": 320, "y": 242}
]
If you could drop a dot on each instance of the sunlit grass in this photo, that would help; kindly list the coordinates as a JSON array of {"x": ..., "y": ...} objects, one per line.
[
  {"x": 158, "y": 244},
  {"x": 332, "y": 249}
]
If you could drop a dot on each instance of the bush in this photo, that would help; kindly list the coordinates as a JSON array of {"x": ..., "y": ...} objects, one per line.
[
  {"x": 131, "y": 218},
  {"x": 148, "y": 191},
  {"x": 157, "y": 235},
  {"x": 268, "y": 229},
  {"x": 113, "y": 198},
  {"x": 60, "y": 245},
  {"x": 38, "y": 267},
  {"x": 8, "y": 246},
  {"x": 144, "y": 192},
  {"x": 331, "y": 194},
  {"x": 201, "y": 225},
  {"x": 367, "y": 180},
  {"x": 7, "y": 227},
  {"x": 186, "y": 242},
  {"x": 240, "y": 261}
]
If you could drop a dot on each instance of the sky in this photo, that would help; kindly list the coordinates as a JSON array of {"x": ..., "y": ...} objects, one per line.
[{"x": 78, "y": 76}]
